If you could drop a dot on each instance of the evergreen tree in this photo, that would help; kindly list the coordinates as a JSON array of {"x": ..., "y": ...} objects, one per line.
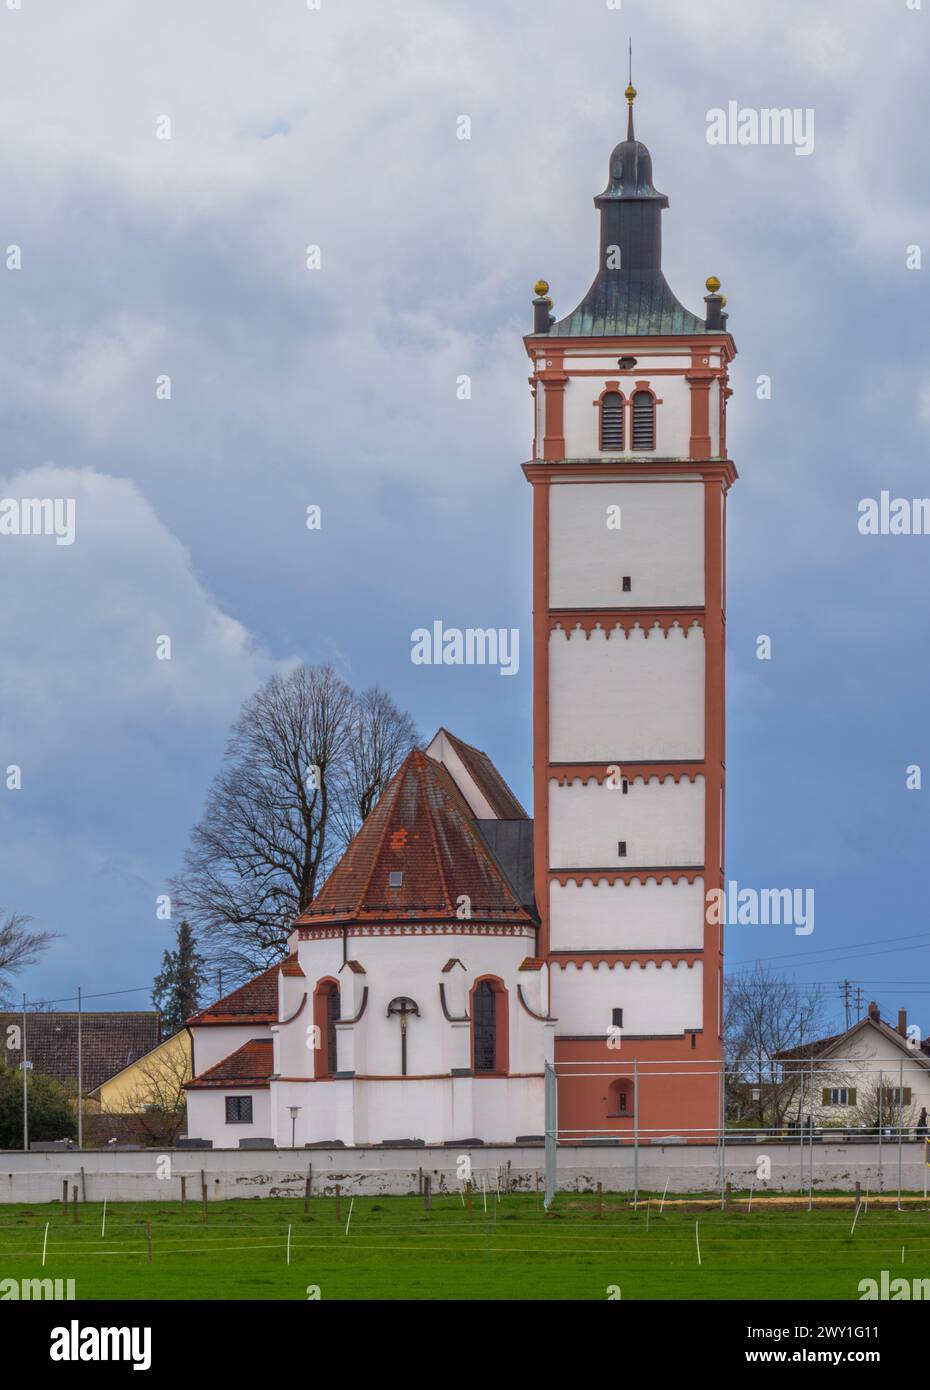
[
  {"x": 51, "y": 1115},
  {"x": 176, "y": 991}
]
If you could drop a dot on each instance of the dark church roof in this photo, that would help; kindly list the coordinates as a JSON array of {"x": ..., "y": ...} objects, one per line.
[
  {"x": 109, "y": 1042},
  {"x": 637, "y": 304},
  {"x": 632, "y": 299}
]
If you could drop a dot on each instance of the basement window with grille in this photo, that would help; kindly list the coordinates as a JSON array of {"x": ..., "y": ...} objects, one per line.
[
  {"x": 627, "y": 585},
  {"x": 611, "y": 421},
  {"x": 644, "y": 420},
  {"x": 621, "y": 848}
]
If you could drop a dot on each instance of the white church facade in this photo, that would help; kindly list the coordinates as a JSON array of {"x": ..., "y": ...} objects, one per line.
[{"x": 460, "y": 945}]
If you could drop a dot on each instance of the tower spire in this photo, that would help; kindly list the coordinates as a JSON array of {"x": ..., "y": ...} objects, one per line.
[{"x": 630, "y": 95}]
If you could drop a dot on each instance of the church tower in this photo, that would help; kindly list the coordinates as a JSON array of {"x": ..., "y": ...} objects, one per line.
[{"x": 630, "y": 476}]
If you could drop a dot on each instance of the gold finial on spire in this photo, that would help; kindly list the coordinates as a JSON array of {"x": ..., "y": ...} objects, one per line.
[
  {"x": 712, "y": 284},
  {"x": 630, "y": 94}
]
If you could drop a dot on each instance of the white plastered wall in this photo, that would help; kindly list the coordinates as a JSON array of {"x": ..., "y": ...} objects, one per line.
[
  {"x": 582, "y": 416},
  {"x": 637, "y": 697},
  {"x": 659, "y": 545},
  {"x": 597, "y": 915},
  {"x": 656, "y": 999},
  {"x": 661, "y": 822}
]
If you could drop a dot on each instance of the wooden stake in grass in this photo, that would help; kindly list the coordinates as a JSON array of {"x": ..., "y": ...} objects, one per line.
[
  {"x": 648, "y": 1211},
  {"x": 338, "y": 1202},
  {"x": 307, "y": 1188},
  {"x": 44, "y": 1245},
  {"x": 665, "y": 1191},
  {"x": 288, "y": 1245},
  {"x": 751, "y": 1186},
  {"x": 64, "y": 1195},
  {"x": 537, "y": 1194},
  {"x": 203, "y": 1195},
  {"x": 103, "y": 1222},
  {"x": 600, "y": 1199},
  {"x": 468, "y": 1195},
  {"x": 855, "y": 1218},
  {"x": 74, "y": 1209},
  {"x": 183, "y": 1190},
  {"x": 83, "y": 1186},
  {"x": 148, "y": 1239},
  {"x": 349, "y": 1217},
  {"x": 697, "y": 1240},
  {"x": 427, "y": 1192},
  {"x": 484, "y": 1194}
]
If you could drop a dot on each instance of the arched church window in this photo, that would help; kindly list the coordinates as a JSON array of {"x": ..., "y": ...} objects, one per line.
[
  {"x": 644, "y": 420},
  {"x": 611, "y": 421},
  {"x": 326, "y": 1011},
  {"x": 489, "y": 1027}
]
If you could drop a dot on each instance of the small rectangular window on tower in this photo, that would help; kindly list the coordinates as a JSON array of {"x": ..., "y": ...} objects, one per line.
[
  {"x": 621, "y": 848},
  {"x": 617, "y": 1021},
  {"x": 625, "y": 787},
  {"x": 627, "y": 583}
]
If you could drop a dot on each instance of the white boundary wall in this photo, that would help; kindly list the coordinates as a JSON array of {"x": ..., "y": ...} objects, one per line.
[{"x": 38, "y": 1177}]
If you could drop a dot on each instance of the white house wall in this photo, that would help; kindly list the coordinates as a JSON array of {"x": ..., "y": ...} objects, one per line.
[
  {"x": 206, "y": 1116},
  {"x": 635, "y": 697},
  {"x": 216, "y": 1041}
]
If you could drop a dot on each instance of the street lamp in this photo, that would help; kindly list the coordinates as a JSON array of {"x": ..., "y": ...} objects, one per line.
[{"x": 294, "y": 1112}]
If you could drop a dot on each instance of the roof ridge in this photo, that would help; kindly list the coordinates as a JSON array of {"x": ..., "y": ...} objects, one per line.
[
  {"x": 394, "y": 783},
  {"x": 432, "y": 834}
]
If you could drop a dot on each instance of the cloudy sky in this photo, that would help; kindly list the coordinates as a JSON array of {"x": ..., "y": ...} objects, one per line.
[{"x": 337, "y": 127}]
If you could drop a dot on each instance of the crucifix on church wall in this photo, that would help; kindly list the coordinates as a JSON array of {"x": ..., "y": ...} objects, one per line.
[{"x": 403, "y": 1008}]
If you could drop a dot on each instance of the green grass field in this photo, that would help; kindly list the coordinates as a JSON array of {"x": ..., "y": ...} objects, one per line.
[{"x": 396, "y": 1250}]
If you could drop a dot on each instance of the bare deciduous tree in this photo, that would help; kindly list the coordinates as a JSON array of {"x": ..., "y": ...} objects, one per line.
[
  {"x": 881, "y": 1103},
  {"x": 305, "y": 761},
  {"x": 768, "y": 1014},
  {"x": 19, "y": 947},
  {"x": 382, "y": 736}
]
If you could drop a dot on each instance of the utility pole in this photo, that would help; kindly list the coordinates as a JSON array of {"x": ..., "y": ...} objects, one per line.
[
  {"x": 25, "y": 1084},
  {"x": 80, "y": 1080},
  {"x": 845, "y": 986}
]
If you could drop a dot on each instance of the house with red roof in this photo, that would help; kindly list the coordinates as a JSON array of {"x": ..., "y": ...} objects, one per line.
[{"x": 411, "y": 1005}]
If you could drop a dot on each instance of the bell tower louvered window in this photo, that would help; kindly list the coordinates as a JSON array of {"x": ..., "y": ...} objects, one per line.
[
  {"x": 611, "y": 421},
  {"x": 644, "y": 420}
]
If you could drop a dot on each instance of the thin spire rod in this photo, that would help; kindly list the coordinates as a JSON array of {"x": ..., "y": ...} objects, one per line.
[{"x": 630, "y": 95}]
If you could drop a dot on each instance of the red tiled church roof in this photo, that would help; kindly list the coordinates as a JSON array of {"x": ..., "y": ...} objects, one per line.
[
  {"x": 249, "y": 1065},
  {"x": 423, "y": 828},
  {"x": 254, "y": 1002}
]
